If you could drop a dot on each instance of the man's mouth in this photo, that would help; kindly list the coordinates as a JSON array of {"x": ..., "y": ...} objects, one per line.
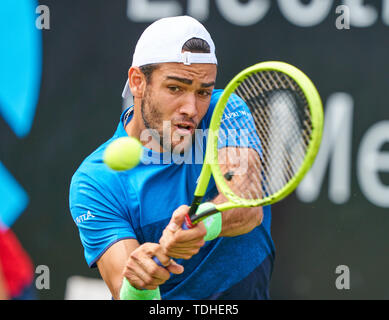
[{"x": 185, "y": 128}]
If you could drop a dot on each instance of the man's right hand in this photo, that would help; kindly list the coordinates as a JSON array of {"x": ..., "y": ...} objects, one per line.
[
  {"x": 143, "y": 273},
  {"x": 179, "y": 243}
]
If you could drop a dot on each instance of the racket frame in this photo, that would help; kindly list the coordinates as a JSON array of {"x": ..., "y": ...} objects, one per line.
[{"x": 211, "y": 165}]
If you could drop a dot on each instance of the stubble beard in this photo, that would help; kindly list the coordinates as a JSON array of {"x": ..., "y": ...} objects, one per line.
[{"x": 161, "y": 130}]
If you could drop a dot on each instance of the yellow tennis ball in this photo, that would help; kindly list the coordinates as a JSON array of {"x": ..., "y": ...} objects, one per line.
[{"x": 123, "y": 153}]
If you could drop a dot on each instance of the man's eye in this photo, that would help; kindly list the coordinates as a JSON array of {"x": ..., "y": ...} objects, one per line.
[
  {"x": 174, "y": 89},
  {"x": 204, "y": 93}
]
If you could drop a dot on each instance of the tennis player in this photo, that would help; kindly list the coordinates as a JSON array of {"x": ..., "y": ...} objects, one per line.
[{"x": 127, "y": 218}]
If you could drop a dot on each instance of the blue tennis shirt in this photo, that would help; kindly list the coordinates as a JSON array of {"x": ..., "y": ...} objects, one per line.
[{"x": 109, "y": 206}]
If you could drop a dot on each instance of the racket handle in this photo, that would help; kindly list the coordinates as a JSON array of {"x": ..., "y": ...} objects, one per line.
[
  {"x": 187, "y": 223},
  {"x": 158, "y": 262},
  {"x": 185, "y": 226}
]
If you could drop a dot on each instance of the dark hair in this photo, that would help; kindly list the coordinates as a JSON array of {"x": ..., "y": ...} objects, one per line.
[
  {"x": 148, "y": 69},
  {"x": 195, "y": 45}
]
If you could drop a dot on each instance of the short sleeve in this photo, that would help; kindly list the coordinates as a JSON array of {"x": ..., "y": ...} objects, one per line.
[
  {"x": 98, "y": 212},
  {"x": 237, "y": 128}
]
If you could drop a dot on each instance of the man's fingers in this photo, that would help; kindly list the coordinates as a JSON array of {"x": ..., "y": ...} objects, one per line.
[
  {"x": 175, "y": 268},
  {"x": 182, "y": 244},
  {"x": 162, "y": 257},
  {"x": 142, "y": 271},
  {"x": 194, "y": 234},
  {"x": 182, "y": 247},
  {"x": 178, "y": 218},
  {"x": 183, "y": 254},
  {"x": 191, "y": 236},
  {"x": 178, "y": 243},
  {"x": 139, "y": 278},
  {"x": 150, "y": 265}
]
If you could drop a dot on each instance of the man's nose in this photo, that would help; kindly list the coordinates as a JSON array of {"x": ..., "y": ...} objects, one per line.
[{"x": 188, "y": 106}]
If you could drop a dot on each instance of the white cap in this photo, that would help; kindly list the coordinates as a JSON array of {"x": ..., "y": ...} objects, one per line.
[{"x": 163, "y": 40}]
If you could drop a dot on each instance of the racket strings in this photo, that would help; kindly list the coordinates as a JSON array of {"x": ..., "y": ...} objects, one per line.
[
  {"x": 262, "y": 131},
  {"x": 276, "y": 132},
  {"x": 265, "y": 133},
  {"x": 283, "y": 112},
  {"x": 283, "y": 139}
]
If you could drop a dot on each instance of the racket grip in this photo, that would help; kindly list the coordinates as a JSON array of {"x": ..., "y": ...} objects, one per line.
[
  {"x": 158, "y": 262},
  {"x": 187, "y": 223}
]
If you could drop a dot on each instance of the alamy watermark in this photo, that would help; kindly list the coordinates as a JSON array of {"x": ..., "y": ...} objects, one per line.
[
  {"x": 42, "y": 22},
  {"x": 342, "y": 282},
  {"x": 364, "y": 15},
  {"x": 190, "y": 148},
  {"x": 343, "y": 20},
  {"x": 42, "y": 280}
]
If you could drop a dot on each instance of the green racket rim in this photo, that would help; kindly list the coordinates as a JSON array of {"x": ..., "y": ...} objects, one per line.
[{"x": 211, "y": 155}]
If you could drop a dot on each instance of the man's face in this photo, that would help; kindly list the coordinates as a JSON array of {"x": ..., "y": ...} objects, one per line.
[{"x": 175, "y": 101}]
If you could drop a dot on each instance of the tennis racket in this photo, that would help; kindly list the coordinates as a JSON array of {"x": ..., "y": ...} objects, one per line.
[{"x": 263, "y": 137}]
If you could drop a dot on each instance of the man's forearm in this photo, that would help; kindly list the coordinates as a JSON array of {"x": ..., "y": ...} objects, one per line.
[{"x": 238, "y": 221}]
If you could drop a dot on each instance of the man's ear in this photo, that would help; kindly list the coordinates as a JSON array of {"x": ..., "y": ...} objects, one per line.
[{"x": 137, "y": 82}]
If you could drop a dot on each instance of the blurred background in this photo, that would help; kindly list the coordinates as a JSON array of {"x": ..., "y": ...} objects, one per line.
[{"x": 63, "y": 65}]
